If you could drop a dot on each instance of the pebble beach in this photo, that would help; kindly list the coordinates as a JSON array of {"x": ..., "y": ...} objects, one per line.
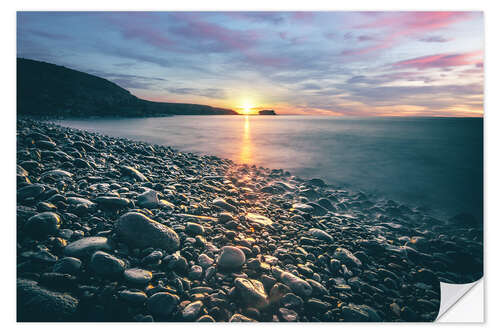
[{"x": 110, "y": 229}]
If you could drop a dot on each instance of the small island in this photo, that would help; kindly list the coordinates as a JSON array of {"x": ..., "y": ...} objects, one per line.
[{"x": 267, "y": 113}]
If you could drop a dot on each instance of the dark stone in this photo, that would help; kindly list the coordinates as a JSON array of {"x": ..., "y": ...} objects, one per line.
[
  {"x": 43, "y": 224},
  {"x": 139, "y": 230},
  {"x": 36, "y": 304},
  {"x": 162, "y": 303}
]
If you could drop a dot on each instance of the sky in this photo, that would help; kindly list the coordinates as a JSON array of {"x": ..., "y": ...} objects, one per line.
[{"x": 320, "y": 63}]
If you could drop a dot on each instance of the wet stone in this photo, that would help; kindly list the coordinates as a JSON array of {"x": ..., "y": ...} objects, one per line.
[
  {"x": 222, "y": 204},
  {"x": 67, "y": 265},
  {"x": 288, "y": 315},
  {"x": 252, "y": 292},
  {"x": 345, "y": 256},
  {"x": 303, "y": 207},
  {"x": 57, "y": 174},
  {"x": 359, "y": 313},
  {"x": 192, "y": 311},
  {"x": 33, "y": 190},
  {"x": 139, "y": 230},
  {"x": 205, "y": 261},
  {"x": 237, "y": 317},
  {"x": 86, "y": 246},
  {"x": 113, "y": 203},
  {"x": 231, "y": 258},
  {"x": 196, "y": 272},
  {"x": 326, "y": 204},
  {"x": 162, "y": 303},
  {"x": 298, "y": 285},
  {"x": 154, "y": 258},
  {"x": 291, "y": 301},
  {"x": 225, "y": 217},
  {"x": 35, "y": 303},
  {"x": 136, "y": 297},
  {"x": 194, "y": 228},
  {"x": 206, "y": 319},
  {"x": 320, "y": 234},
  {"x": 134, "y": 173},
  {"x": 148, "y": 199},
  {"x": 57, "y": 279},
  {"x": 258, "y": 219},
  {"x": 316, "y": 306},
  {"x": 107, "y": 265},
  {"x": 137, "y": 276},
  {"x": 43, "y": 224}
]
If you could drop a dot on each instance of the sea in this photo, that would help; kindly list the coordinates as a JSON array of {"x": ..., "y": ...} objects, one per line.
[{"x": 429, "y": 163}]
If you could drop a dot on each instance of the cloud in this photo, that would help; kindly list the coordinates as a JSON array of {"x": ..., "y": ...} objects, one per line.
[
  {"x": 141, "y": 26},
  {"x": 435, "y": 39},
  {"x": 302, "y": 16},
  {"x": 442, "y": 60},
  {"x": 207, "y": 92},
  {"x": 389, "y": 78},
  {"x": 364, "y": 38},
  {"x": 310, "y": 86},
  {"x": 48, "y": 35},
  {"x": 406, "y": 24},
  {"x": 434, "y": 96},
  {"x": 129, "y": 53},
  {"x": 330, "y": 35},
  {"x": 213, "y": 37},
  {"x": 266, "y": 17},
  {"x": 129, "y": 81}
]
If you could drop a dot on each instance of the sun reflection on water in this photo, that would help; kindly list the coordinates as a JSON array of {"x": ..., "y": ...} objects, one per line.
[{"x": 246, "y": 146}]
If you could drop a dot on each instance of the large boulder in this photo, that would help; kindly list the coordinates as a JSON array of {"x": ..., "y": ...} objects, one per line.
[
  {"x": 43, "y": 224},
  {"x": 35, "y": 303},
  {"x": 139, "y": 230}
]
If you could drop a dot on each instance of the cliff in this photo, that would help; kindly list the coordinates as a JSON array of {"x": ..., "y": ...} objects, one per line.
[{"x": 45, "y": 89}]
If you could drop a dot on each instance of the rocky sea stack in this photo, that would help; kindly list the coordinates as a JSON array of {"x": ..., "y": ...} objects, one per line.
[
  {"x": 111, "y": 229},
  {"x": 267, "y": 113}
]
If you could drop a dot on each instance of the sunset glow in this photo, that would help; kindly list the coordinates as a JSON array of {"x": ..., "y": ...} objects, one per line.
[
  {"x": 320, "y": 63},
  {"x": 247, "y": 107},
  {"x": 246, "y": 144}
]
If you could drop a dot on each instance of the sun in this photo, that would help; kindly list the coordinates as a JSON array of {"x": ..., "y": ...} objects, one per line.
[{"x": 246, "y": 107}]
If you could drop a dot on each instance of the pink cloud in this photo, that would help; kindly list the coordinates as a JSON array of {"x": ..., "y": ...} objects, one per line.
[
  {"x": 302, "y": 16},
  {"x": 224, "y": 38},
  {"x": 147, "y": 35},
  {"x": 417, "y": 21},
  {"x": 443, "y": 60},
  {"x": 139, "y": 26},
  {"x": 407, "y": 24}
]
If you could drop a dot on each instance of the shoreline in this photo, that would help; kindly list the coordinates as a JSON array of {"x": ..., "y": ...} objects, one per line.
[{"x": 255, "y": 243}]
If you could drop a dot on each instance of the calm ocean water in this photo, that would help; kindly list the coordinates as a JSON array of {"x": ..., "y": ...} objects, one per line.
[{"x": 435, "y": 163}]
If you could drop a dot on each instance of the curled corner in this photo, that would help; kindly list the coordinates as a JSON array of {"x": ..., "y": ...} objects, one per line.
[{"x": 451, "y": 294}]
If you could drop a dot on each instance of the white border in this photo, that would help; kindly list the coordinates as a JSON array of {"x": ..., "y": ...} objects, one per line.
[{"x": 7, "y": 222}]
